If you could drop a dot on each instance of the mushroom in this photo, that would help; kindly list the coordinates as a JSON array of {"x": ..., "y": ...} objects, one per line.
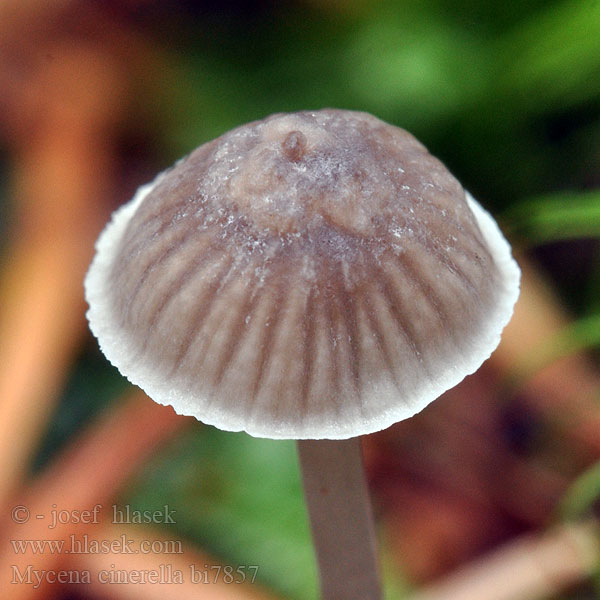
[{"x": 315, "y": 276}]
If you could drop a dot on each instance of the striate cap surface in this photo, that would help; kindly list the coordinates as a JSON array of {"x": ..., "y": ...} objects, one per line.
[{"x": 310, "y": 275}]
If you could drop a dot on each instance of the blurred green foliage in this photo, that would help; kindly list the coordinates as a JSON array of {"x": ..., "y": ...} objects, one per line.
[
  {"x": 581, "y": 498},
  {"x": 239, "y": 498},
  {"x": 582, "y": 334},
  {"x": 508, "y": 97},
  {"x": 93, "y": 385},
  {"x": 566, "y": 215}
]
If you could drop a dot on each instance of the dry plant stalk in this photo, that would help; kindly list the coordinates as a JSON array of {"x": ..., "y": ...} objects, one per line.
[
  {"x": 63, "y": 167},
  {"x": 529, "y": 568}
]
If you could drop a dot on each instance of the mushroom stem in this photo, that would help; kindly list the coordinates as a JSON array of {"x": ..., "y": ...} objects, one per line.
[{"x": 341, "y": 518}]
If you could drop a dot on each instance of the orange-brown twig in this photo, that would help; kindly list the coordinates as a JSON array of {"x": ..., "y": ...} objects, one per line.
[
  {"x": 63, "y": 167},
  {"x": 534, "y": 567}
]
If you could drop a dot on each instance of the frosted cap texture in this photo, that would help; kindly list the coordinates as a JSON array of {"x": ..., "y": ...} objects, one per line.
[{"x": 310, "y": 275}]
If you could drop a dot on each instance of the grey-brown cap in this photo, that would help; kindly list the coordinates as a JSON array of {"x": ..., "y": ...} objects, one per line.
[{"x": 311, "y": 275}]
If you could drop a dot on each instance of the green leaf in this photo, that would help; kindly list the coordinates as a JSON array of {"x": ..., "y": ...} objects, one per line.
[
  {"x": 414, "y": 70},
  {"x": 582, "y": 495},
  {"x": 553, "y": 59},
  {"x": 581, "y": 335},
  {"x": 559, "y": 216}
]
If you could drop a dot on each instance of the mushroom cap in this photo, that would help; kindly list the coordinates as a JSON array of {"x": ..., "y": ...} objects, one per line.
[{"x": 310, "y": 275}]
